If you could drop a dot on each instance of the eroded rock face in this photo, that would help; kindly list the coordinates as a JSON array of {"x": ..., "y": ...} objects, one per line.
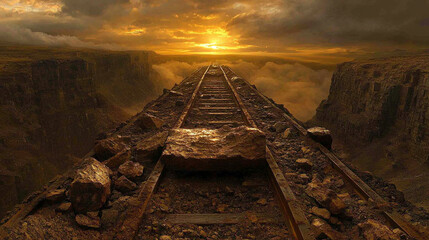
[
  {"x": 215, "y": 149},
  {"x": 91, "y": 187},
  {"x": 147, "y": 121},
  {"x": 385, "y": 100},
  {"x": 321, "y": 135},
  {"x": 150, "y": 149}
]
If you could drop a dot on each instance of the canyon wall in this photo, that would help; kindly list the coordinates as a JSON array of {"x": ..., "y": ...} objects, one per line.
[
  {"x": 54, "y": 103},
  {"x": 379, "y": 109}
]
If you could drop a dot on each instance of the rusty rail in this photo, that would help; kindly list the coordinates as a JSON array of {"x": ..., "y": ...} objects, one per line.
[
  {"x": 294, "y": 216},
  {"x": 363, "y": 190}
]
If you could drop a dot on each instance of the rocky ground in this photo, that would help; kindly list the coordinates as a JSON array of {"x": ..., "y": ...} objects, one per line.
[{"x": 89, "y": 204}]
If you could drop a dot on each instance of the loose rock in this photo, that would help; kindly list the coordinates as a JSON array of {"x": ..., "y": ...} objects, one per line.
[
  {"x": 325, "y": 197},
  {"x": 87, "y": 221},
  {"x": 91, "y": 187},
  {"x": 175, "y": 93},
  {"x": 321, "y": 135},
  {"x": 287, "y": 133},
  {"x": 64, "y": 207},
  {"x": 131, "y": 169},
  {"x": 147, "y": 121},
  {"x": 108, "y": 148},
  {"x": 304, "y": 163},
  {"x": 373, "y": 229},
  {"x": 124, "y": 185},
  {"x": 56, "y": 195},
  {"x": 116, "y": 161},
  {"x": 280, "y": 126},
  {"x": 326, "y": 229},
  {"x": 321, "y": 212}
]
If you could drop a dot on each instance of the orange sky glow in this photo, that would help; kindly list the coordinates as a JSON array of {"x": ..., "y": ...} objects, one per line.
[{"x": 283, "y": 28}]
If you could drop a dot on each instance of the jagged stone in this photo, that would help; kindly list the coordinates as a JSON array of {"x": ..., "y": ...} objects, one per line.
[
  {"x": 304, "y": 176},
  {"x": 56, "y": 195},
  {"x": 236, "y": 79},
  {"x": 117, "y": 160},
  {"x": 147, "y": 121},
  {"x": 131, "y": 169},
  {"x": 150, "y": 149},
  {"x": 280, "y": 126},
  {"x": 321, "y": 135},
  {"x": 88, "y": 221},
  {"x": 325, "y": 197},
  {"x": 321, "y": 212},
  {"x": 304, "y": 163},
  {"x": 124, "y": 185},
  {"x": 373, "y": 229},
  {"x": 165, "y": 237},
  {"x": 90, "y": 187},
  {"x": 324, "y": 228},
  {"x": 175, "y": 93},
  {"x": 64, "y": 207},
  {"x": 286, "y": 134},
  {"x": 215, "y": 149},
  {"x": 107, "y": 148}
]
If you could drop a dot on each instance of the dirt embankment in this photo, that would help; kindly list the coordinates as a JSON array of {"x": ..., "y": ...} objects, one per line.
[{"x": 379, "y": 108}]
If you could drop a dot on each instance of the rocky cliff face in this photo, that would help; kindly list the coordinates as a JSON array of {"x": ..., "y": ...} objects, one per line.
[
  {"x": 380, "y": 109},
  {"x": 53, "y": 103}
]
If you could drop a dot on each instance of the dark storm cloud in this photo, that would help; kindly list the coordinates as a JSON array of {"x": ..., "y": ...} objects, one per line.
[
  {"x": 299, "y": 27},
  {"x": 339, "y": 22},
  {"x": 89, "y": 7}
]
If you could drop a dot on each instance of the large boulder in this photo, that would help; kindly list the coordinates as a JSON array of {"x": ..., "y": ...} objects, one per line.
[
  {"x": 147, "y": 121},
  {"x": 150, "y": 149},
  {"x": 107, "y": 148},
  {"x": 203, "y": 149},
  {"x": 90, "y": 187},
  {"x": 321, "y": 135}
]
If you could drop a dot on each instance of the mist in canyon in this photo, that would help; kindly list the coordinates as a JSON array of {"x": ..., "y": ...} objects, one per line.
[{"x": 300, "y": 88}]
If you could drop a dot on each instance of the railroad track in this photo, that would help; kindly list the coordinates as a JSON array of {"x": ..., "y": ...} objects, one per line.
[
  {"x": 214, "y": 103},
  {"x": 239, "y": 204}
]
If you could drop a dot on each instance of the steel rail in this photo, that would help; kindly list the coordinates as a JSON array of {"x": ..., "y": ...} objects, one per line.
[
  {"x": 128, "y": 225},
  {"x": 191, "y": 102},
  {"x": 363, "y": 190},
  {"x": 294, "y": 216}
]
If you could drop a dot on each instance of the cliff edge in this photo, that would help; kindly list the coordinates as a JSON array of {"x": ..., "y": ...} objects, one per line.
[
  {"x": 379, "y": 110},
  {"x": 53, "y": 104}
]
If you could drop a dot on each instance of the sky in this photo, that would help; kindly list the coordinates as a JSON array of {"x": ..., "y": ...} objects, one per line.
[{"x": 313, "y": 29}]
